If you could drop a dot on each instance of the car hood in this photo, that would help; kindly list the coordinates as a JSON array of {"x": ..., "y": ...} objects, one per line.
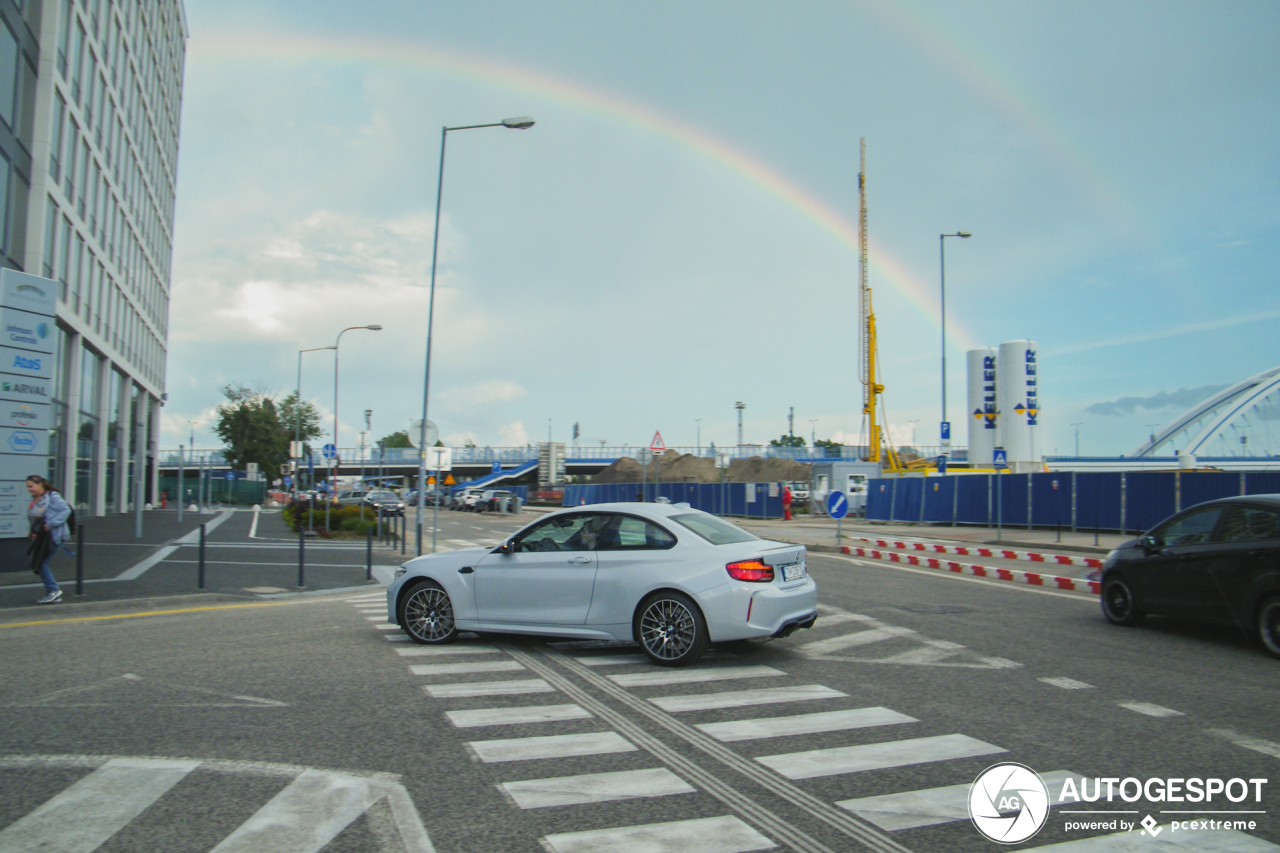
[{"x": 446, "y": 559}]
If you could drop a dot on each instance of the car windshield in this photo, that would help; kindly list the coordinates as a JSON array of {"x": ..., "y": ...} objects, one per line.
[
  {"x": 717, "y": 531},
  {"x": 383, "y": 496}
]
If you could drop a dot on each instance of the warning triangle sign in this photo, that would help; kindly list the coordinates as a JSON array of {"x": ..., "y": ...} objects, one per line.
[
  {"x": 431, "y": 481},
  {"x": 657, "y": 443},
  {"x": 448, "y": 480}
]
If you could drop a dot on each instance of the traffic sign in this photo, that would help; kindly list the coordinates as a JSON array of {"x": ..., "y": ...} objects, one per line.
[
  {"x": 431, "y": 481},
  {"x": 837, "y": 505},
  {"x": 415, "y": 432},
  {"x": 946, "y": 430},
  {"x": 497, "y": 468},
  {"x": 1000, "y": 459},
  {"x": 942, "y": 465},
  {"x": 449, "y": 481},
  {"x": 657, "y": 445},
  {"x": 439, "y": 458},
  {"x": 329, "y": 451},
  {"x": 722, "y": 460},
  {"x": 231, "y": 475}
]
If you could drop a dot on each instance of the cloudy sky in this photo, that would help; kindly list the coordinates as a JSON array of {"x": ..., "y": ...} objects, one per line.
[{"x": 678, "y": 231}]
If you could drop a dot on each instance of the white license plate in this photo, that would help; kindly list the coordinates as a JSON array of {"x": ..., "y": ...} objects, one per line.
[{"x": 793, "y": 571}]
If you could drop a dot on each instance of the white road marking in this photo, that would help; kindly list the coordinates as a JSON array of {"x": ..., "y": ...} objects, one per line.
[
  {"x": 465, "y": 668},
  {"x": 1151, "y": 710},
  {"x": 828, "y": 616},
  {"x": 1221, "y": 841},
  {"x": 82, "y": 817},
  {"x": 742, "y": 698},
  {"x": 1066, "y": 683},
  {"x": 933, "y": 806},
  {"x": 138, "y": 569},
  {"x": 1257, "y": 744},
  {"x": 550, "y": 746},
  {"x": 707, "y": 835},
  {"x": 692, "y": 676},
  {"x": 825, "y": 721},
  {"x": 862, "y": 638},
  {"x": 373, "y": 596},
  {"x": 611, "y": 660},
  {"x": 398, "y": 639},
  {"x": 380, "y": 618},
  {"x": 388, "y": 628},
  {"x": 462, "y": 543},
  {"x": 451, "y": 649},
  {"x": 488, "y": 688},
  {"x": 875, "y": 756},
  {"x": 516, "y": 716},
  {"x": 595, "y": 788}
]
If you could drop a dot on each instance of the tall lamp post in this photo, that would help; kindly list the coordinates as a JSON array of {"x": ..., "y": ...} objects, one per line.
[
  {"x": 297, "y": 420},
  {"x": 945, "y": 431},
  {"x": 336, "y": 460},
  {"x": 698, "y": 421},
  {"x": 1077, "y": 426},
  {"x": 517, "y": 123}
]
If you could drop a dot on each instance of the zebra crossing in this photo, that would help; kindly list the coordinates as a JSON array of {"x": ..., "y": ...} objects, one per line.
[{"x": 470, "y": 670}]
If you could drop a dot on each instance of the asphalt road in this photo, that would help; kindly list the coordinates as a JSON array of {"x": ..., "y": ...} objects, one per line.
[{"x": 303, "y": 724}]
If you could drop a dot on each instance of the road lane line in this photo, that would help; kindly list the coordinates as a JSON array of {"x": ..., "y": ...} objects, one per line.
[
  {"x": 725, "y": 834},
  {"x": 465, "y": 668},
  {"x": 149, "y": 613},
  {"x": 1151, "y": 710},
  {"x": 595, "y": 788},
  {"x": 1066, "y": 683},
  {"x": 1257, "y": 744},
  {"x": 516, "y": 716},
  {"x": 84, "y": 816},
  {"x": 692, "y": 676},
  {"x": 611, "y": 660},
  {"x": 743, "y": 698},
  {"x": 876, "y": 756},
  {"x": 848, "y": 641},
  {"x": 433, "y": 651},
  {"x": 139, "y": 569},
  {"x": 550, "y": 746},
  {"x": 799, "y": 724},
  {"x": 487, "y": 688},
  {"x": 934, "y": 806}
]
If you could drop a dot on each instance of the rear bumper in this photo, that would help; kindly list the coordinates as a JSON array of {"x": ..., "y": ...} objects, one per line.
[{"x": 750, "y": 611}]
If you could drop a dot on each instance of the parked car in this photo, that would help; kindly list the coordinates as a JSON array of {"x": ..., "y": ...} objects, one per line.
[
  {"x": 465, "y": 499},
  {"x": 490, "y": 499},
  {"x": 389, "y": 501},
  {"x": 670, "y": 578},
  {"x": 352, "y": 497},
  {"x": 1217, "y": 561}
]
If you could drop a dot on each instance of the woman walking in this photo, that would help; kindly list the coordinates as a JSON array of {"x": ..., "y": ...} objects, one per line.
[{"x": 48, "y": 514}]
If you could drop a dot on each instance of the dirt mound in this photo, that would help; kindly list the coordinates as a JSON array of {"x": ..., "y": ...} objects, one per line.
[
  {"x": 687, "y": 468},
  {"x": 757, "y": 470}
]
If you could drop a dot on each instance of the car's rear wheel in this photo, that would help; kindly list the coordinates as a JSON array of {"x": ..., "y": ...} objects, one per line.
[
  {"x": 1118, "y": 604},
  {"x": 426, "y": 614},
  {"x": 1268, "y": 625},
  {"x": 670, "y": 629}
]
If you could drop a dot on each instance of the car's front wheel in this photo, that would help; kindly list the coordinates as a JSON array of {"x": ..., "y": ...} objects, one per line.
[
  {"x": 670, "y": 629},
  {"x": 1268, "y": 626},
  {"x": 426, "y": 614},
  {"x": 1118, "y": 604}
]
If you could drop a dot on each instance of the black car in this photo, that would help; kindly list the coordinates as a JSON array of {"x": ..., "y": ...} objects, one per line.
[
  {"x": 1218, "y": 562},
  {"x": 389, "y": 501}
]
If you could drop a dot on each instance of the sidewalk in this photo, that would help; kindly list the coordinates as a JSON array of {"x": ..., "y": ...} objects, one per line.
[{"x": 819, "y": 533}]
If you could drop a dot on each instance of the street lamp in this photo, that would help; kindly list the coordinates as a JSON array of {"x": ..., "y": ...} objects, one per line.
[
  {"x": 698, "y": 421},
  {"x": 297, "y": 418},
  {"x": 813, "y": 431},
  {"x": 1077, "y": 426},
  {"x": 942, "y": 255},
  {"x": 517, "y": 123},
  {"x": 336, "y": 459}
]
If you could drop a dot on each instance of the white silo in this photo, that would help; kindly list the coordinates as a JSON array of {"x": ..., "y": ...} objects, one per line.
[
  {"x": 981, "y": 411},
  {"x": 1019, "y": 403}
]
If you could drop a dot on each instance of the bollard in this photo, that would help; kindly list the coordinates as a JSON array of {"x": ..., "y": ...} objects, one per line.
[
  {"x": 368, "y": 554},
  {"x": 302, "y": 552},
  {"x": 79, "y": 559},
  {"x": 382, "y": 534},
  {"x": 200, "y": 571}
]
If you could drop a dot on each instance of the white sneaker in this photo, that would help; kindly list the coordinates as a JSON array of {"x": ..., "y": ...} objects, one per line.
[{"x": 51, "y": 598}]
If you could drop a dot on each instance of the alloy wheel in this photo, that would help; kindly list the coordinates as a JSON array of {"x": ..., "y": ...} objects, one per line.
[
  {"x": 429, "y": 614},
  {"x": 668, "y": 629}
]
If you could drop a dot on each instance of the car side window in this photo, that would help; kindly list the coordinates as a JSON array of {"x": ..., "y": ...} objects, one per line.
[
  {"x": 1249, "y": 524},
  {"x": 629, "y": 533},
  {"x": 1194, "y": 528},
  {"x": 563, "y": 533}
]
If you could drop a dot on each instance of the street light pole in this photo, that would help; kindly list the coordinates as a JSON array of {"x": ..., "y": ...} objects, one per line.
[
  {"x": 698, "y": 421},
  {"x": 336, "y": 459},
  {"x": 1077, "y": 426},
  {"x": 297, "y": 419},
  {"x": 942, "y": 257},
  {"x": 518, "y": 123}
]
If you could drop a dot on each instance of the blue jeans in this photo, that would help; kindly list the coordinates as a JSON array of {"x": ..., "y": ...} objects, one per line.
[{"x": 46, "y": 575}]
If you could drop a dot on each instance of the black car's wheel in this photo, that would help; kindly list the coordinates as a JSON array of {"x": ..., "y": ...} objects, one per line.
[
  {"x": 670, "y": 629},
  {"x": 1268, "y": 625},
  {"x": 426, "y": 614},
  {"x": 1118, "y": 604}
]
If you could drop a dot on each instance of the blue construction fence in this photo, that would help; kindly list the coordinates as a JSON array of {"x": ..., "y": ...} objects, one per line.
[
  {"x": 1128, "y": 501},
  {"x": 749, "y": 500}
]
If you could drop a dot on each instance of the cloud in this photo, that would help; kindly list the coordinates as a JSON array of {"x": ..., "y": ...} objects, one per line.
[
  {"x": 1211, "y": 325},
  {"x": 513, "y": 435},
  {"x": 481, "y": 394},
  {"x": 1183, "y": 398}
]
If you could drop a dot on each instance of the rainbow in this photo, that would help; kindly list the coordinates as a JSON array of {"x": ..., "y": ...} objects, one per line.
[{"x": 487, "y": 71}]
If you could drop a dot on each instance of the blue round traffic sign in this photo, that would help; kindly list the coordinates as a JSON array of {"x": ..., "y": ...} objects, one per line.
[
  {"x": 837, "y": 505},
  {"x": 329, "y": 451}
]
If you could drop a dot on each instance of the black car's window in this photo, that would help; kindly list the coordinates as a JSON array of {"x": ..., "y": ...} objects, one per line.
[
  {"x": 383, "y": 496},
  {"x": 715, "y": 530},
  {"x": 1194, "y": 528},
  {"x": 628, "y": 533},
  {"x": 1249, "y": 524},
  {"x": 564, "y": 533}
]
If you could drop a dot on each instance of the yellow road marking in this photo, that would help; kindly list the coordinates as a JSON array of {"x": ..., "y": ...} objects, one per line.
[{"x": 150, "y": 613}]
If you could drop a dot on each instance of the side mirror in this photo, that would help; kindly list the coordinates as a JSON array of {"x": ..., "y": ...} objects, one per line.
[
  {"x": 1150, "y": 544},
  {"x": 506, "y": 547}
]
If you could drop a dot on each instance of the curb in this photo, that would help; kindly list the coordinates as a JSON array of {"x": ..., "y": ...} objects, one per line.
[
  {"x": 991, "y": 572},
  {"x": 999, "y": 553}
]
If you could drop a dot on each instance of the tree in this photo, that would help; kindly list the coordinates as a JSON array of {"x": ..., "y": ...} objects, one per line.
[
  {"x": 399, "y": 438},
  {"x": 289, "y": 412},
  {"x": 251, "y": 430},
  {"x": 832, "y": 447},
  {"x": 788, "y": 441}
]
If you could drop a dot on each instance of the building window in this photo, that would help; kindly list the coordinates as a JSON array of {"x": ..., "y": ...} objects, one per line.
[
  {"x": 55, "y": 139},
  {"x": 50, "y": 232},
  {"x": 8, "y": 74}
]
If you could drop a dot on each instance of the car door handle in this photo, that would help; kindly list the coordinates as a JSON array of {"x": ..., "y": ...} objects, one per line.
[
  {"x": 580, "y": 559},
  {"x": 466, "y": 570}
]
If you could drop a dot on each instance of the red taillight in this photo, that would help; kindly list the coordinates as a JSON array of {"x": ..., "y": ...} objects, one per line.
[{"x": 753, "y": 571}]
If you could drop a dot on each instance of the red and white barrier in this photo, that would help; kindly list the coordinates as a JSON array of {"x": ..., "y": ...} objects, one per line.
[
  {"x": 979, "y": 551},
  {"x": 993, "y": 572}
]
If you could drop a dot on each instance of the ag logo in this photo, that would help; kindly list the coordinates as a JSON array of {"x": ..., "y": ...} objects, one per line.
[{"x": 1008, "y": 803}]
